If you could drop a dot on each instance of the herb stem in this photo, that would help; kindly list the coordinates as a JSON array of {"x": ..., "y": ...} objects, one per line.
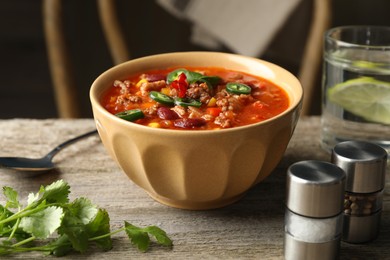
[
  {"x": 24, "y": 213},
  {"x": 107, "y": 234},
  {"x": 24, "y": 241},
  {"x": 5, "y": 250},
  {"x": 14, "y": 228}
]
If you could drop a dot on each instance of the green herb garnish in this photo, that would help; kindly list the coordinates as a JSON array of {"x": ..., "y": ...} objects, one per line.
[
  {"x": 50, "y": 223},
  {"x": 193, "y": 77}
]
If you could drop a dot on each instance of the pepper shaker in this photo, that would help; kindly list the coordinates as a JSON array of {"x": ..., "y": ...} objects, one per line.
[
  {"x": 314, "y": 206},
  {"x": 365, "y": 166}
]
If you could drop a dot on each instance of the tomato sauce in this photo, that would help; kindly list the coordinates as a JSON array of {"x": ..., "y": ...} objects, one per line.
[{"x": 198, "y": 98}]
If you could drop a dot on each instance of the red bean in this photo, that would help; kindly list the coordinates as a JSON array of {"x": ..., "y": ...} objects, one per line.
[
  {"x": 166, "y": 113},
  {"x": 154, "y": 77},
  {"x": 189, "y": 122}
]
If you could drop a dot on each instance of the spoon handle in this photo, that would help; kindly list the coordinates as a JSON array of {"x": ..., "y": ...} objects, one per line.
[{"x": 53, "y": 152}]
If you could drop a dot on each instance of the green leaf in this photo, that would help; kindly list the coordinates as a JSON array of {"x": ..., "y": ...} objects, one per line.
[
  {"x": 140, "y": 236},
  {"x": 83, "y": 210},
  {"x": 100, "y": 226},
  {"x": 32, "y": 198},
  {"x": 193, "y": 76},
  {"x": 137, "y": 236},
  {"x": 5, "y": 213},
  {"x": 61, "y": 246},
  {"x": 57, "y": 192},
  {"x": 213, "y": 80},
  {"x": 77, "y": 236},
  {"x": 160, "y": 235},
  {"x": 7, "y": 228},
  {"x": 12, "y": 196},
  {"x": 78, "y": 214},
  {"x": 43, "y": 223}
]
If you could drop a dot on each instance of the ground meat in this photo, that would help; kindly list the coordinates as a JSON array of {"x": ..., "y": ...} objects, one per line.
[
  {"x": 225, "y": 119},
  {"x": 124, "y": 85},
  {"x": 146, "y": 87},
  {"x": 232, "y": 102},
  {"x": 259, "y": 104},
  {"x": 128, "y": 98},
  {"x": 194, "y": 112},
  {"x": 173, "y": 92},
  {"x": 208, "y": 117},
  {"x": 245, "y": 99},
  {"x": 200, "y": 92},
  {"x": 256, "y": 93},
  {"x": 152, "y": 110},
  {"x": 229, "y": 103},
  {"x": 181, "y": 111}
]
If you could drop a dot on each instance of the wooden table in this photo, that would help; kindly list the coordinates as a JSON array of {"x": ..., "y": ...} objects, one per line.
[{"x": 249, "y": 229}]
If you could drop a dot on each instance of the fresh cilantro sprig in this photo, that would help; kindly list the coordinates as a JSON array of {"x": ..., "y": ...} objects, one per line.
[{"x": 50, "y": 223}]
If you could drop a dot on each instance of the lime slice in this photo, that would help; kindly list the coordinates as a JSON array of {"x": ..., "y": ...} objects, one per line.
[
  {"x": 366, "y": 64},
  {"x": 365, "y": 97}
]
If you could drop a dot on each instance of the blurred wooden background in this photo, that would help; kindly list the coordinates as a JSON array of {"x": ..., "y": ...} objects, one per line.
[{"x": 26, "y": 87}]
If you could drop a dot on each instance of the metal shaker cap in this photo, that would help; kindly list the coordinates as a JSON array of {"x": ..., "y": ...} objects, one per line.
[
  {"x": 315, "y": 189},
  {"x": 364, "y": 163}
]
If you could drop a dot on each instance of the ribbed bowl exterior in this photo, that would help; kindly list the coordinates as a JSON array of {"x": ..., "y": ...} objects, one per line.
[{"x": 193, "y": 169}]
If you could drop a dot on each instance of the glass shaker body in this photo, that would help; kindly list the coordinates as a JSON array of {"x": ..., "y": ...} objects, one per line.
[
  {"x": 314, "y": 206},
  {"x": 312, "y": 238},
  {"x": 365, "y": 166}
]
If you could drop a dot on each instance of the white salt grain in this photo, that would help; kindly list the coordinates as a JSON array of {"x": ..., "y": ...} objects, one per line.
[{"x": 313, "y": 230}]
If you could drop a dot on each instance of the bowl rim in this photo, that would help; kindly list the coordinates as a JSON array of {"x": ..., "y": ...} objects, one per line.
[{"x": 96, "y": 103}]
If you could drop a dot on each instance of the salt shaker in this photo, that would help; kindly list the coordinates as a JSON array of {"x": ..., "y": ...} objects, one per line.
[
  {"x": 365, "y": 166},
  {"x": 314, "y": 206}
]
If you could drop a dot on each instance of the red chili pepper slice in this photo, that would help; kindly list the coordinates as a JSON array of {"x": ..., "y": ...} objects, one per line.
[
  {"x": 182, "y": 78},
  {"x": 182, "y": 90},
  {"x": 181, "y": 85}
]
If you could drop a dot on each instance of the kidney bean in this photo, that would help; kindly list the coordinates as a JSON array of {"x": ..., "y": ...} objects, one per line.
[
  {"x": 166, "y": 113},
  {"x": 154, "y": 77},
  {"x": 189, "y": 122}
]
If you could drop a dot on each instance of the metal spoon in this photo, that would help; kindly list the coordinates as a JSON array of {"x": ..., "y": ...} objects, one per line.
[{"x": 40, "y": 164}]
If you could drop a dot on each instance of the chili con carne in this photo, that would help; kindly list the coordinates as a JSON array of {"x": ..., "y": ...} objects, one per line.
[{"x": 203, "y": 98}]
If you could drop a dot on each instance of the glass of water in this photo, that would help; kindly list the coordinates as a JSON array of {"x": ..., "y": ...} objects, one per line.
[{"x": 356, "y": 86}]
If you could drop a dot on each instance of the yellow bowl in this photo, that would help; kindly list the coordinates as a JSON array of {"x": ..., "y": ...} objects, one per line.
[{"x": 197, "y": 169}]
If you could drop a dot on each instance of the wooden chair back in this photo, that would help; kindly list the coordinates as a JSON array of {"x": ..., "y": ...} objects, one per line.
[{"x": 61, "y": 66}]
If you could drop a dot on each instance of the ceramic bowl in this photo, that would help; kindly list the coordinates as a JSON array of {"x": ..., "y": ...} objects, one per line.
[{"x": 197, "y": 169}]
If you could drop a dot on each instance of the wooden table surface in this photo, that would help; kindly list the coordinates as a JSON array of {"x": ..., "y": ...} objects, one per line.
[{"x": 252, "y": 228}]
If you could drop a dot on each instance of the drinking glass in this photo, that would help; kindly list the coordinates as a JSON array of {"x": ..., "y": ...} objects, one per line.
[{"x": 356, "y": 86}]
